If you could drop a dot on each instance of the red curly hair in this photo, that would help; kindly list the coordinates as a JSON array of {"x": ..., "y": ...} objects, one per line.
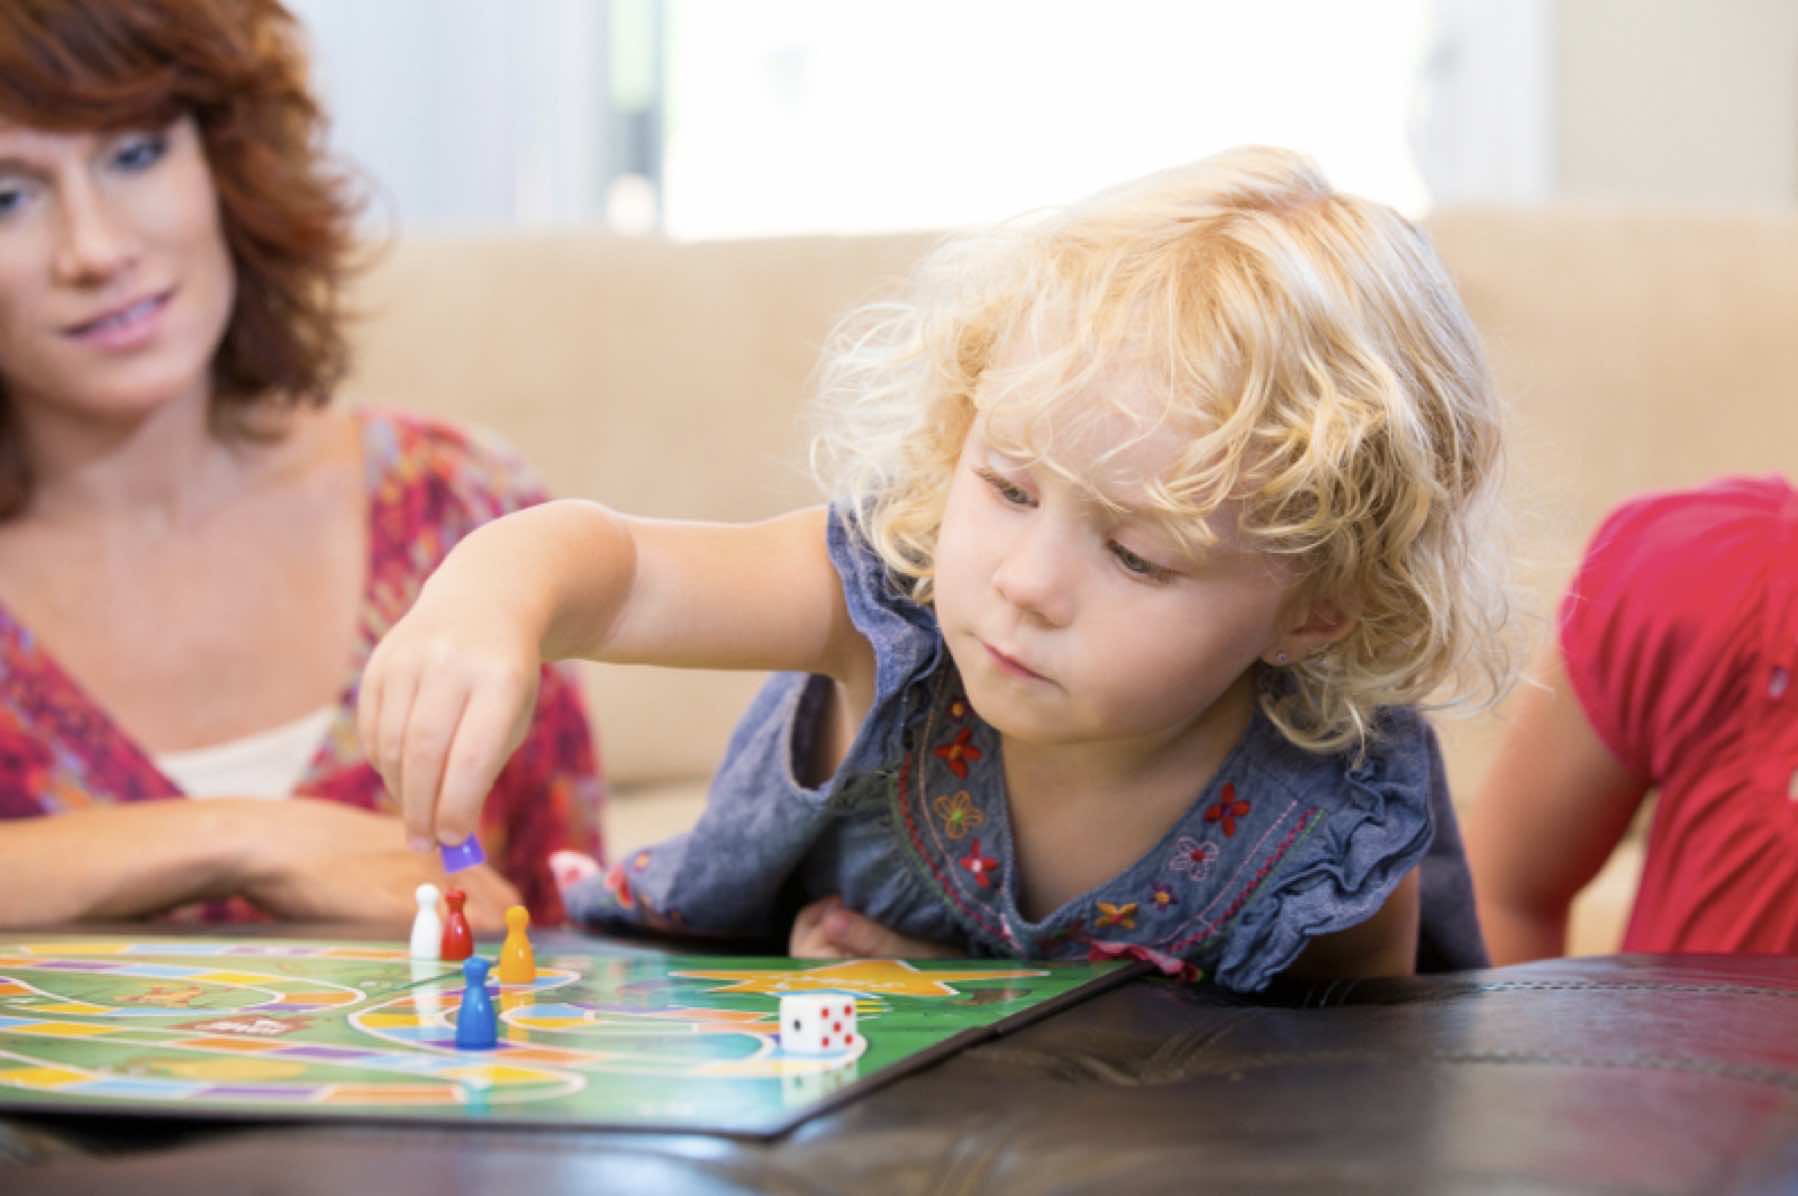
[{"x": 239, "y": 68}]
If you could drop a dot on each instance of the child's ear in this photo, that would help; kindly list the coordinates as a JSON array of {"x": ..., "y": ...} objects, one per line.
[{"x": 1314, "y": 625}]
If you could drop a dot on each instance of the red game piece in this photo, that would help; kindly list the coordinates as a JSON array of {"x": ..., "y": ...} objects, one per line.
[{"x": 458, "y": 939}]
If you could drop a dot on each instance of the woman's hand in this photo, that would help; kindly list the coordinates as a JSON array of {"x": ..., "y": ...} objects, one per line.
[
  {"x": 322, "y": 861},
  {"x": 827, "y": 929}
]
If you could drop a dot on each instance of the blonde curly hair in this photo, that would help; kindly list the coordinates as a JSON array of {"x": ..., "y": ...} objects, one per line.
[{"x": 1308, "y": 343}]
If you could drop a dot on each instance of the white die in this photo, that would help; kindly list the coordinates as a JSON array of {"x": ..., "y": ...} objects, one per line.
[{"x": 817, "y": 1023}]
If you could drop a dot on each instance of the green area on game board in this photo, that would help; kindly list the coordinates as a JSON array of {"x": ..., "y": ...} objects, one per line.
[{"x": 609, "y": 1036}]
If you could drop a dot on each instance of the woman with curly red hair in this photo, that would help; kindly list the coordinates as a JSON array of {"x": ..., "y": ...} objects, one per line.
[{"x": 197, "y": 550}]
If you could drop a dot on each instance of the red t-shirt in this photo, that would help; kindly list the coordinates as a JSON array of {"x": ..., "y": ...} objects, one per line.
[{"x": 1680, "y": 634}]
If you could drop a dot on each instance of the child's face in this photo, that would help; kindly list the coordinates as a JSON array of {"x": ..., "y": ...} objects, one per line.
[{"x": 1071, "y": 623}]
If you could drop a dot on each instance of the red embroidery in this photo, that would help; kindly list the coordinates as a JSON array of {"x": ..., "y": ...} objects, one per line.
[
  {"x": 984, "y": 867},
  {"x": 1227, "y": 809},
  {"x": 958, "y": 752},
  {"x": 620, "y": 885}
]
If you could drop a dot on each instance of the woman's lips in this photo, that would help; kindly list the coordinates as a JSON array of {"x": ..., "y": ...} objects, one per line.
[{"x": 124, "y": 327}]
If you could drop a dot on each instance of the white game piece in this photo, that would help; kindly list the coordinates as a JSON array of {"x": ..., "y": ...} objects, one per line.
[
  {"x": 427, "y": 926},
  {"x": 817, "y": 1023}
]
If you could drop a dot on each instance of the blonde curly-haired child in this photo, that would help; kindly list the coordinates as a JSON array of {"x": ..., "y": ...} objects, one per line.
[{"x": 1154, "y": 520}]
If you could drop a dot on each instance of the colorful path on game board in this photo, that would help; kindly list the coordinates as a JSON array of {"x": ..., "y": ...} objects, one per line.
[
  {"x": 254, "y": 1066},
  {"x": 238, "y": 1050}
]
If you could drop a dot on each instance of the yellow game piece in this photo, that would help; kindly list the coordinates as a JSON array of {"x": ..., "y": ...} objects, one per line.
[{"x": 517, "y": 963}]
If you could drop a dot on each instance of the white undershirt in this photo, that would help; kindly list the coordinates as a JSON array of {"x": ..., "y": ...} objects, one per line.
[{"x": 267, "y": 764}]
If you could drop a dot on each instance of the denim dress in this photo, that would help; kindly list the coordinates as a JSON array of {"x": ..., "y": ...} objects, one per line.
[{"x": 913, "y": 831}]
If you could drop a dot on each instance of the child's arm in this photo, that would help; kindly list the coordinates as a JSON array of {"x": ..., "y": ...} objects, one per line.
[
  {"x": 1384, "y": 945},
  {"x": 1552, "y": 809},
  {"x": 448, "y": 693}
]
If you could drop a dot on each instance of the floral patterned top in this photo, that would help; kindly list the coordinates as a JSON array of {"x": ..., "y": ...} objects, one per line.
[
  {"x": 429, "y": 484},
  {"x": 914, "y": 831}
]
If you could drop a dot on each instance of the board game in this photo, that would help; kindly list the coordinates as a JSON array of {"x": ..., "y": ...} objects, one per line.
[{"x": 611, "y": 1036}]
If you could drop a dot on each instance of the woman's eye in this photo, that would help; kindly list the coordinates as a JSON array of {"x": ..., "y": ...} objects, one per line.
[
  {"x": 10, "y": 199},
  {"x": 1138, "y": 565},
  {"x": 141, "y": 153},
  {"x": 1011, "y": 492}
]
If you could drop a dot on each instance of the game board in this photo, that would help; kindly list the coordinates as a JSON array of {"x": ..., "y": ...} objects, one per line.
[{"x": 607, "y": 1037}]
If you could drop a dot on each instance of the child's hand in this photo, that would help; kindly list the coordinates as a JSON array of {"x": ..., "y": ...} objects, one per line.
[
  {"x": 827, "y": 929},
  {"x": 446, "y": 698}
]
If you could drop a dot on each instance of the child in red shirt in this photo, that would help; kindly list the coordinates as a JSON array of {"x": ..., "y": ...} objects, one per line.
[{"x": 1674, "y": 673}]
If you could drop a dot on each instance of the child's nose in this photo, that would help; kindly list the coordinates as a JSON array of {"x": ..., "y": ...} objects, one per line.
[{"x": 1035, "y": 574}]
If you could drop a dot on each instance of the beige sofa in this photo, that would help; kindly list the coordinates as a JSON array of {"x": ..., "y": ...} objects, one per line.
[{"x": 1638, "y": 349}]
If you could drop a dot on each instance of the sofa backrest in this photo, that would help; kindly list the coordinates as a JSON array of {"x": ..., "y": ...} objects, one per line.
[{"x": 1638, "y": 350}]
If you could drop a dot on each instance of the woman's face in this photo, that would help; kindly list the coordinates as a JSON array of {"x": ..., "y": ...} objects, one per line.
[{"x": 115, "y": 282}]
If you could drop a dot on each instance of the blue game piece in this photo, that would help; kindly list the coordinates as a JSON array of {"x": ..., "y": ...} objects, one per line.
[
  {"x": 476, "y": 1027},
  {"x": 457, "y": 856}
]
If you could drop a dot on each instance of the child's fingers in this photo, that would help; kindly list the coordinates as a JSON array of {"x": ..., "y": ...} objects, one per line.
[
  {"x": 860, "y": 937},
  {"x": 436, "y": 711},
  {"x": 387, "y": 746},
  {"x": 474, "y": 758}
]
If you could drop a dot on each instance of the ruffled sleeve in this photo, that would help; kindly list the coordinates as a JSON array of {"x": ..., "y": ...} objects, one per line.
[
  {"x": 729, "y": 876},
  {"x": 1370, "y": 824}
]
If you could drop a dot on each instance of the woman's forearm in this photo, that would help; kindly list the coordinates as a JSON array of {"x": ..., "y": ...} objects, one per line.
[{"x": 120, "y": 861}]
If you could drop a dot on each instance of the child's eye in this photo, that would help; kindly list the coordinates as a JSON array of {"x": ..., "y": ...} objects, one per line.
[
  {"x": 141, "y": 152},
  {"x": 10, "y": 199},
  {"x": 1138, "y": 566},
  {"x": 1007, "y": 490}
]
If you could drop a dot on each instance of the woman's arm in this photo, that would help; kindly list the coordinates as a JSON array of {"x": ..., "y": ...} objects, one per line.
[
  {"x": 297, "y": 859},
  {"x": 1551, "y": 811},
  {"x": 448, "y": 693}
]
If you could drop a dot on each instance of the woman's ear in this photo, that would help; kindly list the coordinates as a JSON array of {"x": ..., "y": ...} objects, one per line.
[{"x": 1312, "y": 626}]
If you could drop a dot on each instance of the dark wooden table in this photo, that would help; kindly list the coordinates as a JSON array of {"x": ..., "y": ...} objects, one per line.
[{"x": 1610, "y": 1075}]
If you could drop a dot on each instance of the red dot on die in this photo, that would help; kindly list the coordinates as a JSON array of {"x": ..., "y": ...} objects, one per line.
[
  {"x": 837, "y": 1026},
  {"x": 826, "y": 1041}
]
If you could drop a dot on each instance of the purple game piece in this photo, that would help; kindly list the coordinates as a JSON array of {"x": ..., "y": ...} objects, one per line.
[{"x": 457, "y": 856}]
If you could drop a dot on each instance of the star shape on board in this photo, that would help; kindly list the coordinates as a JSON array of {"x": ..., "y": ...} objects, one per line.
[{"x": 865, "y": 977}]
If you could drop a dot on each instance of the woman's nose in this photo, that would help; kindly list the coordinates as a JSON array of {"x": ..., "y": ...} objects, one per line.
[{"x": 94, "y": 241}]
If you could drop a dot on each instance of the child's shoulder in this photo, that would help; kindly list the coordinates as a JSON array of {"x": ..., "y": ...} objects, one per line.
[
  {"x": 902, "y": 631},
  {"x": 1333, "y": 834}
]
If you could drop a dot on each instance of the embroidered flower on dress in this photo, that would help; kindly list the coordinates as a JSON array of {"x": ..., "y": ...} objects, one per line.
[
  {"x": 640, "y": 862},
  {"x": 1192, "y": 858},
  {"x": 1162, "y": 897},
  {"x": 984, "y": 867},
  {"x": 958, "y": 751},
  {"x": 958, "y": 813},
  {"x": 620, "y": 886},
  {"x": 1227, "y": 809},
  {"x": 958, "y": 708},
  {"x": 1116, "y": 915}
]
